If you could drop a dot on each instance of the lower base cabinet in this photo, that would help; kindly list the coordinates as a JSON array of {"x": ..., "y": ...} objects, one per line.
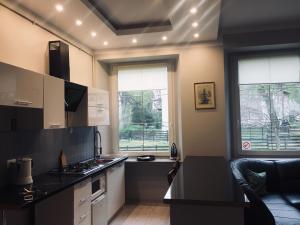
[
  {"x": 56, "y": 210},
  {"x": 115, "y": 176}
]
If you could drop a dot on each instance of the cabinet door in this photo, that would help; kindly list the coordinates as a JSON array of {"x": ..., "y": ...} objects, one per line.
[
  {"x": 55, "y": 210},
  {"x": 98, "y": 116},
  {"x": 115, "y": 189},
  {"x": 98, "y": 98},
  {"x": 54, "y": 105},
  {"x": 20, "y": 87}
]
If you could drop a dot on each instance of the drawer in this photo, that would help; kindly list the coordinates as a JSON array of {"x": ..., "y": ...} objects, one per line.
[
  {"x": 82, "y": 193},
  {"x": 83, "y": 218}
]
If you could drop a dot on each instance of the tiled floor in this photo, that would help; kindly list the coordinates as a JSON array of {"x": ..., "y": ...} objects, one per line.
[{"x": 143, "y": 214}]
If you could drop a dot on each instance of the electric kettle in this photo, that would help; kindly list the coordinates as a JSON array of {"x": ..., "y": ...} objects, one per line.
[{"x": 22, "y": 171}]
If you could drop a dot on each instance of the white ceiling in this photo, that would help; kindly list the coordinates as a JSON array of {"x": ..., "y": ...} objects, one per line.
[{"x": 178, "y": 11}]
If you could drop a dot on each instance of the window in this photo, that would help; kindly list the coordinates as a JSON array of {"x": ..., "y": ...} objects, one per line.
[
  {"x": 269, "y": 103},
  {"x": 143, "y": 108}
]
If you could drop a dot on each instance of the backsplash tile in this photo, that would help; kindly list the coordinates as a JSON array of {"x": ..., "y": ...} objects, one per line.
[{"x": 44, "y": 147}]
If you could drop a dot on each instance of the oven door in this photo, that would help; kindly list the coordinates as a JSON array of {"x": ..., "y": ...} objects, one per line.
[
  {"x": 99, "y": 211},
  {"x": 98, "y": 185}
]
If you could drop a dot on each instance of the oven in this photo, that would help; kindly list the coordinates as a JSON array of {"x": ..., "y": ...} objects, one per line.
[
  {"x": 99, "y": 202},
  {"x": 98, "y": 185}
]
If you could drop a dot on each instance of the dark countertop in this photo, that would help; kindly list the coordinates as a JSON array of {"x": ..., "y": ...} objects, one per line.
[
  {"x": 205, "y": 181},
  {"x": 47, "y": 184}
]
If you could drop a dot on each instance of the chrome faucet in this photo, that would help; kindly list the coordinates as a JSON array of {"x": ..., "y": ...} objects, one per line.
[{"x": 97, "y": 145}]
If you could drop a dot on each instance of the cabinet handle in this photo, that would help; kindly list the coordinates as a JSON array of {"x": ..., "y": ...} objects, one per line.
[
  {"x": 100, "y": 110},
  {"x": 55, "y": 125},
  {"x": 23, "y": 102},
  {"x": 83, "y": 200},
  {"x": 83, "y": 217},
  {"x": 100, "y": 104}
]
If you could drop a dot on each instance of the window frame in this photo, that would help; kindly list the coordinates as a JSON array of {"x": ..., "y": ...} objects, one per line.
[
  {"x": 234, "y": 105},
  {"x": 115, "y": 105}
]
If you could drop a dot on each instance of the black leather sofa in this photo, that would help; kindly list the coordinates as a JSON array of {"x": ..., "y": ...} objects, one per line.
[{"x": 281, "y": 204}]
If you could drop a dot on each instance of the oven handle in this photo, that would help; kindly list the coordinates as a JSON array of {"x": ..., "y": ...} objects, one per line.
[{"x": 97, "y": 200}]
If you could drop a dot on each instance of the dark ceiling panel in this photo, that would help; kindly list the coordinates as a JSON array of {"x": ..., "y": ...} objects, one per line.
[{"x": 147, "y": 16}]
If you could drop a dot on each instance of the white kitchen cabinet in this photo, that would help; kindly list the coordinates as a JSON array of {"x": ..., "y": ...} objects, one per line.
[
  {"x": 98, "y": 107},
  {"x": 54, "y": 105},
  {"x": 20, "y": 87},
  {"x": 115, "y": 176},
  {"x": 82, "y": 202}
]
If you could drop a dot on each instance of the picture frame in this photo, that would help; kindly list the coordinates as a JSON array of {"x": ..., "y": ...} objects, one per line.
[{"x": 205, "y": 96}]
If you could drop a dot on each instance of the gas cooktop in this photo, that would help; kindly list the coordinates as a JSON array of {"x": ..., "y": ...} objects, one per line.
[{"x": 81, "y": 168}]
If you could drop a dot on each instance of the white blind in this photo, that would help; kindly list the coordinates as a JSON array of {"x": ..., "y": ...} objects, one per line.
[
  {"x": 275, "y": 69},
  {"x": 142, "y": 78}
]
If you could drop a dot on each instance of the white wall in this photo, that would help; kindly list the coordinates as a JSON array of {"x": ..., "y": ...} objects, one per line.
[
  {"x": 200, "y": 132},
  {"x": 25, "y": 45}
]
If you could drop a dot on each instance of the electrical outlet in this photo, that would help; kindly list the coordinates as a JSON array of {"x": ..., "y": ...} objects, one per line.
[{"x": 10, "y": 161}]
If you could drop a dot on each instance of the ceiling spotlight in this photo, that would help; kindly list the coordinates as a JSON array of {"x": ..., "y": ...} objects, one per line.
[
  {"x": 105, "y": 43},
  {"x": 195, "y": 24},
  {"x": 193, "y": 10},
  {"x": 59, "y": 7},
  {"x": 78, "y": 22},
  {"x": 93, "y": 34},
  {"x": 134, "y": 41},
  {"x": 164, "y": 38},
  {"x": 196, "y": 35}
]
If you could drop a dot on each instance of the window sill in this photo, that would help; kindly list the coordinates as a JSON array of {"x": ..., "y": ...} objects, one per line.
[
  {"x": 139, "y": 153},
  {"x": 268, "y": 154},
  {"x": 157, "y": 160}
]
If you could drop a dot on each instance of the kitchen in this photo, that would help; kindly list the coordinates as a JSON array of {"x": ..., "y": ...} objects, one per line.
[{"x": 124, "y": 113}]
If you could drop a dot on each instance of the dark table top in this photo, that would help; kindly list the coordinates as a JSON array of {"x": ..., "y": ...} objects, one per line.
[
  {"x": 205, "y": 181},
  {"x": 47, "y": 185}
]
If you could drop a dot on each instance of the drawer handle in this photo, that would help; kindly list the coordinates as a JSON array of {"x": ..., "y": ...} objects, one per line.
[
  {"x": 23, "y": 102},
  {"x": 100, "y": 104},
  {"x": 83, "y": 200},
  {"x": 55, "y": 125},
  {"x": 100, "y": 109},
  {"x": 83, "y": 217}
]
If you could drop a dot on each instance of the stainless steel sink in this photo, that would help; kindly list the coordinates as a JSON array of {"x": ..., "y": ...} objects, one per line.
[{"x": 103, "y": 161}]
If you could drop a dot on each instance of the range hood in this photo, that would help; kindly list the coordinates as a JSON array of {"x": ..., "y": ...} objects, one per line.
[{"x": 73, "y": 95}]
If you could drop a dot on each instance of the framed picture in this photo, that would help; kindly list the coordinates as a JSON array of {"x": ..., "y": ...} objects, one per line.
[{"x": 205, "y": 95}]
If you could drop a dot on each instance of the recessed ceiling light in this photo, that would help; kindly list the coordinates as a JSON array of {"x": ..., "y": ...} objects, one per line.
[
  {"x": 134, "y": 41},
  {"x": 193, "y": 10},
  {"x": 196, "y": 35},
  {"x": 164, "y": 38},
  {"x": 195, "y": 24},
  {"x": 78, "y": 22},
  {"x": 59, "y": 7},
  {"x": 105, "y": 43},
  {"x": 93, "y": 34}
]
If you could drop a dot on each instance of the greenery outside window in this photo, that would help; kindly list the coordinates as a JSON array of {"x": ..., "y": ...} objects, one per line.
[
  {"x": 269, "y": 104},
  {"x": 144, "y": 108}
]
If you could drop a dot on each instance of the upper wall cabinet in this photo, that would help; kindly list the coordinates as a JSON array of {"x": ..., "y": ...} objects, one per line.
[
  {"x": 98, "y": 107},
  {"x": 54, "y": 105},
  {"x": 20, "y": 87}
]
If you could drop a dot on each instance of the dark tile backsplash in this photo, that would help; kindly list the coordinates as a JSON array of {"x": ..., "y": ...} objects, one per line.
[{"x": 44, "y": 147}]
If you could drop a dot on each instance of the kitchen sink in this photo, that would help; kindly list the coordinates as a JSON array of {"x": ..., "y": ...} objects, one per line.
[{"x": 103, "y": 161}]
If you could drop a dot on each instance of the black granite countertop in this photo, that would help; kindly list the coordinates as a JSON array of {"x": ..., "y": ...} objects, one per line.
[
  {"x": 47, "y": 185},
  {"x": 205, "y": 181}
]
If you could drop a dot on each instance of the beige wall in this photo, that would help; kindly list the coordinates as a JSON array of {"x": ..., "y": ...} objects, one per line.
[
  {"x": 200, "y": 132},
  {"x": 25, "y": 45}
]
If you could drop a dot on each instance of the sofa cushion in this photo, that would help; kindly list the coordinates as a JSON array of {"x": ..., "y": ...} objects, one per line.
[
  {"x": 293, "y": 199},
  {"x": 289, "y": 175},
  {"x": 257, "y": 182},
  {"x": 283, "y": 212},
  {"x": 240, "y": 167}
]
